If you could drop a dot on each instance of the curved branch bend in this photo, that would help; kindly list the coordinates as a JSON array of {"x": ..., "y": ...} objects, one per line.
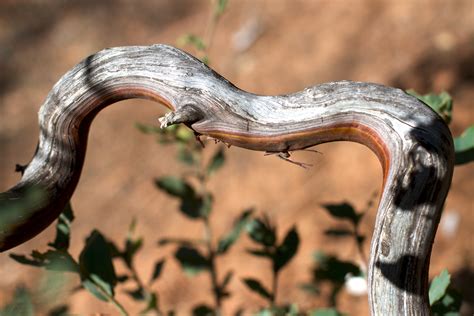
[{"x": 412, "y": 142}]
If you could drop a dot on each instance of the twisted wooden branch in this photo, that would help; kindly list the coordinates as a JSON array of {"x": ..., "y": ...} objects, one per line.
[{"x": 411, "y": 141}]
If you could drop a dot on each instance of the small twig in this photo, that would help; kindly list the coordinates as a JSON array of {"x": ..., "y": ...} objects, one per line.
[{"x": 285, "y": 155}]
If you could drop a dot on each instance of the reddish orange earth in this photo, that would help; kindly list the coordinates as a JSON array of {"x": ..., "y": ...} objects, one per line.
[{"x": 283, "y": 47}]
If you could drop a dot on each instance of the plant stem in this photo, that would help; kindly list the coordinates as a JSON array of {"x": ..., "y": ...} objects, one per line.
[
  {"x": 360, "y": 248},
  {"x": 274, "y": 287},
  {"x": 212, "y": 266},
  {"x": 112, "y": 299},
  {"x": 136, "y": 277},
  {"x": 119, "y": 306},
  {"x": 211, "y": 26}
]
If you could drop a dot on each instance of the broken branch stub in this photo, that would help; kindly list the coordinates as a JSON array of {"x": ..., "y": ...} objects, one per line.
[{"x": 412, "y": 143}]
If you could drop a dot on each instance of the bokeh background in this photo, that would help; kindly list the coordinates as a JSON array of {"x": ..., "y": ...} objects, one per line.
[{"x": 265, "y": 47}]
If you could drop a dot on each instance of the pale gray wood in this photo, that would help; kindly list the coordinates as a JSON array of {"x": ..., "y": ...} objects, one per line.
[{"x": 413, "y": 144}]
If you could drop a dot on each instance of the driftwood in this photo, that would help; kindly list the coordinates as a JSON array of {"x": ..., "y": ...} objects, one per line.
[{"x": 413, "y": 144}]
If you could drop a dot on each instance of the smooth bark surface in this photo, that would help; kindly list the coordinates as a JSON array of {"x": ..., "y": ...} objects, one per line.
[{"x": 413, "y": 144}]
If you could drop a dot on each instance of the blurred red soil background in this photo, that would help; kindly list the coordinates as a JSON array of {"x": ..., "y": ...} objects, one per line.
[{"x": 424, "y": 45}]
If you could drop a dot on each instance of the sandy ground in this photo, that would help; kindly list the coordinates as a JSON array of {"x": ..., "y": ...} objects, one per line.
[{"x": 428, "y": 46}]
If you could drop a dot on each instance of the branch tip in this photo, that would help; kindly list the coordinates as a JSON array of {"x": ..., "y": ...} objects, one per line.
[{"x": 187, "y": 114}]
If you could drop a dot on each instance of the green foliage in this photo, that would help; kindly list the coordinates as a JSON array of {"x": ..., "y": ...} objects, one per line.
[
  {"x": 464, "y": 146},
  {"x": 443, "y": 299},
  {"x": 157, "y": 271},
  {"x": 21, "y": 304},
  {"x": 63, "y": 229},
  {"x": 441, "y": 103},
  {"x": 344, "y": 211},
  {"x": 226, "y": 242},
  {"x": 203, "y": 310},
  {"x": 95, "y": 266},
  {"x": 191, "y": 260},
  {"x": 220, "y": 7},
  {"x": 326, "y": 312},
  {"x": 54, "y": 260},
  {"x": 257, "y": 287},
  {"x": 330, "y": 269},
  {"x": 448, "y": 305},
  {"x": 192, "y": 205},
  {"x": 97, "y": 270},
  {"x": 347, "y": 212},
  {"x": 286, "y": 250},
  {"x": 193, "y": 40},
  {"x": 216, "y": 162},
  {"x": 438, "y": 286},
  {"x": 264, "y": 233}
]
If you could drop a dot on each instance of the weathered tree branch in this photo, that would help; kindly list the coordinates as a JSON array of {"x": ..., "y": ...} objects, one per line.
[{"x": 411, "y": 141}]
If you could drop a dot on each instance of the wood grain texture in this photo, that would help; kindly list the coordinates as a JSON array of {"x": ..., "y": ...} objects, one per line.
[{"x": 413, "y": 144}]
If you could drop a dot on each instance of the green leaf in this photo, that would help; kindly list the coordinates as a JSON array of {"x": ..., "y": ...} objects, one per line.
[
  {"x": 132, "y": 245},
  {"x": 262, "y": 232},
  {"x": 438, "y": 286},
  {"x": 226, "y": 280},
  {"x": 148, "y": 129},
  {"x": 260, "y": 253},
  {"x": 338, "y": 232},
  {"x": 309, "y": 288},
  {"x": 265, "y": 312},
  {"x": 179, "y": 241},
  {"x": 54, "y": 260},
  {"x": 63, "y": 228},
  {"x": 21, "y": 304},
  {"x": 448, "y": 305},
  {"x": 138, "y": 294},
  {"x": 193, "y": 40},
  {"x": 257, "y": 287},
  {"x": 191, "y": 260},
  {"x": 61, "y": 310},
  {"x": 220, "y": 7},
  {"x": 441, "y": 103},
  {"x": 343, "y": 211},
  {"x": 203, "y": 310},
  {"x": 192, "y": 205},
  {"x": 175, "y": 186},
  {"x": 216, "y": 162},
  {"x": 157, "y": 270},
  {"x": 280, "y": 310},
  {"x": 122, "y": 278},
  {"x": 114, "y": 251},
  {"x": 205, "y": 205},
  {"x": 464, "y": 146},
  {"x": 227, "y": 241},
  {"x": 286, "y": 250},
  {"x": 205, "y": 60},
  {"x": 186, "y": 156},
  {"x": 22, "y": 259},
  {"x": 183, "y": 134},
  {"x": 97, "y": 270},
  {"x": 151, "y": 305},
  {"x": 325, "y": 312},
  {"x": 330, "y": 268}
]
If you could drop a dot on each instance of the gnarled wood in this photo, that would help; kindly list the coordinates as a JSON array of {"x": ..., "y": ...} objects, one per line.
[{"x": 411, "y": 141}]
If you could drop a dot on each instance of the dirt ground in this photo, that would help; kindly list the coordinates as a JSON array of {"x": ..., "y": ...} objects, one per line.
[{"x": 428, "y": 46}]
